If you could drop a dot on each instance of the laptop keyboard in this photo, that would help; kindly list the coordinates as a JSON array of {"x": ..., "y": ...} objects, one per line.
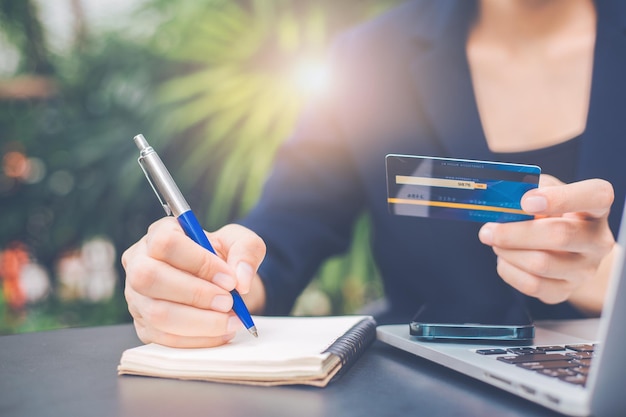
[{"x": 569, "y": 363}]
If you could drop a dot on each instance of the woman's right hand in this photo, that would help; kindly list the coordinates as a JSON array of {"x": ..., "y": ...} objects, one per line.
[{"x": 178, "y": 292}]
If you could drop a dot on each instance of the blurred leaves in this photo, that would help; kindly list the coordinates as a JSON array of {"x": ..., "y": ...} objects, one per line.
[
  {"x": 83, "y": 136},
  {"x": 238, "y": 91},
  {"x": 20, "y": 23}
]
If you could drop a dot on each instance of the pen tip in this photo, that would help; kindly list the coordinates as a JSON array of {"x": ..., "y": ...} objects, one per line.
[{"x": 253, "y": 331}]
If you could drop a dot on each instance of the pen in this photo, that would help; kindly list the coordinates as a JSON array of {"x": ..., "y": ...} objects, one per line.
[{"x": 175, "y": 204}]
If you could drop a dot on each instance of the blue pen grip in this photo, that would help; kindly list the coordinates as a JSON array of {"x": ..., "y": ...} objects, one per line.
[{"x": 192, "y": 228}]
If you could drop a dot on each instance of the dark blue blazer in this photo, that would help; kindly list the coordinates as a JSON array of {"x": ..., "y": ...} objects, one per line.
[{"x": 401, "y": 84}]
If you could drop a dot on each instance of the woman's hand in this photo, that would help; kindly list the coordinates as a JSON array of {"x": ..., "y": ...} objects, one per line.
[
  {"x": 178, "y": 293},
  {"x": 563, "y": 254}
]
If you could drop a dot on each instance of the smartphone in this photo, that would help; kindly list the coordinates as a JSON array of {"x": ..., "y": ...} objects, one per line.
[{"x": 437, "y": 323}]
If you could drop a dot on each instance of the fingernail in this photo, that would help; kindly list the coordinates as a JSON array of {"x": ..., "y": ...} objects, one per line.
[
  {"x": 244, "y": 275},
  {"x": 486, "y": 234},
  {"x": 222, "y": 303},
  {"x": 234, "y": 324},
  {"x": 224, "y": 280},
  {"x": 535, "y": 204},
  {"x": 228, "y": 337}
]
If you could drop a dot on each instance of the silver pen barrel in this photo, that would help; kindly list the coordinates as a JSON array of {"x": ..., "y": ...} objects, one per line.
[{"x": 160, "y": 178}]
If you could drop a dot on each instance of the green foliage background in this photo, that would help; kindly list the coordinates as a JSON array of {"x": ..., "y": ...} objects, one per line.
[{"x": 207, "y": 82}]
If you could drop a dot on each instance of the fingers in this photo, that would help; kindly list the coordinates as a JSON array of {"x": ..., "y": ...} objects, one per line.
[
  {"x": 590, "y": 198},
  {"x": 548, "y": 258},
  {"x": 179, "y": 325},
  {"x": 167, "y": 242},
  {"x": 179, "y": 293},
  {"x": 151, "y": 335},
  {"x": 148, "y": 334},
  {"x": 152, "y": 277},
  {"x": 568, "y": 234},
  {"x": 161, "y": 281},
  {"x": 181, "y": 319},
  {"x": 562, "y": 249},
  {"x": 546, "y": 264},
  {"x": 550, "y": 291}
]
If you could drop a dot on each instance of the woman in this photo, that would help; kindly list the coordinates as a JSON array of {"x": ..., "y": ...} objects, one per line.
[{"x": 529, "y": 81}]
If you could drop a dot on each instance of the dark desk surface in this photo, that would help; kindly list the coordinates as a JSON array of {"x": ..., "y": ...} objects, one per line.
[{"x": 72, "y": 372}]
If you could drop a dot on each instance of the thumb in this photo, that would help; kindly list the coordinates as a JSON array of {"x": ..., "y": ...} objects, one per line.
[
  {"x": 243, "y": 250},
  {"x": 589, "y": 198}
]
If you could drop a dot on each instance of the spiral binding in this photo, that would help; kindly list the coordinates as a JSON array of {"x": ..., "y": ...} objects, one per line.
[{"x": 352, "y": 344}]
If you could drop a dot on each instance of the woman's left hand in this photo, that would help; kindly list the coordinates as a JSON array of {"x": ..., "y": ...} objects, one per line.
[{"x": 564, "y": 253}]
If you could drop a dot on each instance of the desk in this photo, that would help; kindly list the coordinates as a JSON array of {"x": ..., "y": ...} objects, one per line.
[{"x": 72, "y": 372}]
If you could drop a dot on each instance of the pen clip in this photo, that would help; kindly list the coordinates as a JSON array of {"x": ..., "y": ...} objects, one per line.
[{"x": 167, "y": 209}]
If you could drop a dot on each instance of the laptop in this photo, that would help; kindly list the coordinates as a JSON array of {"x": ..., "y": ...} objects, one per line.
[{"x": 575, "y": 367}]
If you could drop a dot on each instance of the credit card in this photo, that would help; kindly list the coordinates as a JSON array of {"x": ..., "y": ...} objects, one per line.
[{"x": 458, "y": 189}]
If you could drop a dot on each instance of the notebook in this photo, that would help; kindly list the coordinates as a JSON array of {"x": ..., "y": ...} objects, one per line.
[
  {"x": 289, "y": 350},
  {"x": 573, "y": 375}
]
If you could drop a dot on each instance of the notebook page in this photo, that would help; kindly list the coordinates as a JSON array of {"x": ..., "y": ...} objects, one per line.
[{"x": 283, "y": 341}]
